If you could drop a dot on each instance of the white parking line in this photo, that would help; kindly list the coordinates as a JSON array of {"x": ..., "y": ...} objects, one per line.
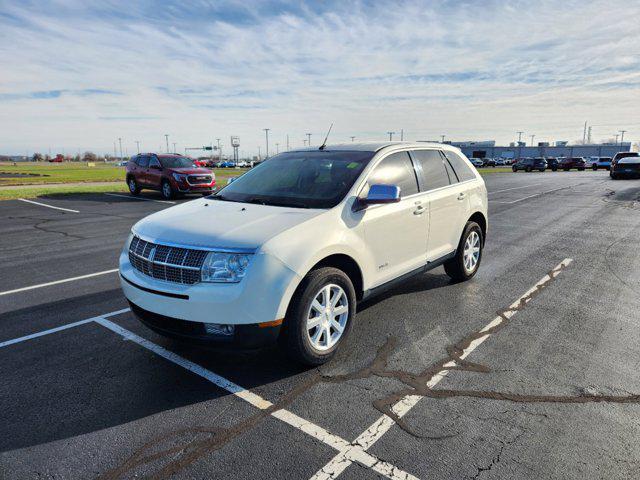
[
  {"x": 48, "y": 206},
  {"x": 57, "y": 282},
  {"x": 514, "y": 188},
  {"x": 60, "y": 328},
  {"x": 131, "y": 197},
  {"x": 371, "y": 435},
  {"x": 532, "y": 196},
  {"x": 381, "y": 467}
]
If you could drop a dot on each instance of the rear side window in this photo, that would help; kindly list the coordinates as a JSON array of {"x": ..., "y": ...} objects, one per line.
[
  {"x": 143, "y": 161},
  {"x": 432, "y": 172},
  {"x": 396, "y": 169},
  {"x": 463, "y": 171}
]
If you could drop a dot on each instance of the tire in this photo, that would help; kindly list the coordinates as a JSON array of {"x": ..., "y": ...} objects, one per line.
[
  {"x": 527, "y": 169},
  {"x": 614, "y": 176},
  {"x": 594, "y": 168},
  {"x": 297, "y": 340},
  {"x": 455, "y": 267},
  {"x": 542, "y": 169},
  {"x": 515, "y": 169},
  {"x": 134, "y": 188},
  {"x": 167, "y": 190},
  {"x": 554, "y": 169}
]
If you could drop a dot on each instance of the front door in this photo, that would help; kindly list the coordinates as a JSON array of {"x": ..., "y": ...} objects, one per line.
[
  {"x": 154, "y": 173},
  {"x": 396, "y": 233}
]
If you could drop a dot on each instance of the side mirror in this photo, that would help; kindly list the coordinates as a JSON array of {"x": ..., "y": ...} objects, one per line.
[{"x": 379, "y": 194}]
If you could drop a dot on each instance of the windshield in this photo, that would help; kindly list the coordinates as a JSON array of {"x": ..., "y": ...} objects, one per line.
[
  {"x": 312, "y": 179},
  {"x": 176, "y": 162}
]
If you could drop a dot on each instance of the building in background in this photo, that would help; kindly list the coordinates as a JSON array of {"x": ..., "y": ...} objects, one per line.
[{"x": 489, "y": 149}]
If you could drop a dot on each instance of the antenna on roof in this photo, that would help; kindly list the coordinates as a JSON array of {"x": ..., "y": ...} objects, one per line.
[{"x": 324, "y": 144}]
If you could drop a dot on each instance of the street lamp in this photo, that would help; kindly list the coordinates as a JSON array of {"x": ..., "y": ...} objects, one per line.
[
  {"x": 390, "y": 135},
  {"x": 352, "y": 138},
  {"x": 266, "y": 136},
  {"x": 309, "y": 139},
  {"x": 166, "y": 136}
]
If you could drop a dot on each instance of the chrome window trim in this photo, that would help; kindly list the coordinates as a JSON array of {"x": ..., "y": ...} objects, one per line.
[{"x": 247, "y": 251}]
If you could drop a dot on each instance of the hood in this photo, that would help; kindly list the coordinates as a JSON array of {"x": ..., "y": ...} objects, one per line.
[
  {"x": 214, "y": 223},
  {"x": 192, "y": 171}
]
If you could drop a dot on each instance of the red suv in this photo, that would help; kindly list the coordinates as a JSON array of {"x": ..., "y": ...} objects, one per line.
[{"x": 171, "y": 174}]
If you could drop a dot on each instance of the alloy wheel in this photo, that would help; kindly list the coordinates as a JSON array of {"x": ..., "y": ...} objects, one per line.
[
  {"x": 471, "y": 251},
  {"x": 327, "y": 317}
]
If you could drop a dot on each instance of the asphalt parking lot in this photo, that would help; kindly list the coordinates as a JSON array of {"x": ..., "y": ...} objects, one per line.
[{"x": 530, "y": 370}]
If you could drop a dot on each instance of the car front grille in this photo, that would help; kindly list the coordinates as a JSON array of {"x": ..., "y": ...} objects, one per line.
[
  {"x": 199, "y": 179},
  {"x": 171, "y": 264}
]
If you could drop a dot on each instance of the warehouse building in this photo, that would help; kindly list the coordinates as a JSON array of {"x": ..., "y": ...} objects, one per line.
[{"x": 488, "y": 149}]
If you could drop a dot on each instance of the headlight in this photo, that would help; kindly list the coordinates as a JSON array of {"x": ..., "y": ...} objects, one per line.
[
  {"x": 225, "y": 267},
  {"x": 179, "y": 177}
]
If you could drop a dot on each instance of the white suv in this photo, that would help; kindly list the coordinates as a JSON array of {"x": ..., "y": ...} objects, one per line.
[{"x": 287, "y": 250}]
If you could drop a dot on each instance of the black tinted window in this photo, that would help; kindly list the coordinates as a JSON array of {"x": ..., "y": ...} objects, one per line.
[
  {"x": 432, "y": 171},
  {"x": 153, "y": 161},
  {"x": 396, "y": 169},
  {"x": 463, "y": 171},
  {"x": 143, "y": 161}
]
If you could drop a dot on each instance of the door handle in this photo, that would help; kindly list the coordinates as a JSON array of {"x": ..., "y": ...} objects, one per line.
[{"x": 461, "y": 196}]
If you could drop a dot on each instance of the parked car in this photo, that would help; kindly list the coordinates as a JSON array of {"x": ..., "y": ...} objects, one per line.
[
  {"x": 489, "y": 162},
  {"x": 552, "y": 163},
  {"x": 530, "y": 164},
  {"x": 600, "y": 162},
  {"x": 477, "y": 162},
  {"x": 500, "y": 162},
  {"x": 567, "y": 163},
  {"x": 625, "y": 164},
  {"x": 242, "y": 164},
  {"x": 285, "y": 253},
  {"x": 201, "y": 163},
  {"x": 170, "y": 174}
]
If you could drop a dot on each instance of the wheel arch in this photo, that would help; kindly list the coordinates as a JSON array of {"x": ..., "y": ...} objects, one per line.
[{"x": 481, "y": 220}]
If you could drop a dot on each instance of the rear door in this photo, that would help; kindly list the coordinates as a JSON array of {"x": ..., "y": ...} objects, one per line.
[
  {"x": 154, "y": 172},
  {"x": 396, "y": 233},
  {"x": 143, "y": 167},
  {"x": 446, "y": 200}
]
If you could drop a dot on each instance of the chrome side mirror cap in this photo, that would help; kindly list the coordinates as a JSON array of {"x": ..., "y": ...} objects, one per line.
[{"x": 379, "y": 194}]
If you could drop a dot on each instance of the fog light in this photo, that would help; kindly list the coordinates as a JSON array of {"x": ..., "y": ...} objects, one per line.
[{"x": 219, "y": 329}]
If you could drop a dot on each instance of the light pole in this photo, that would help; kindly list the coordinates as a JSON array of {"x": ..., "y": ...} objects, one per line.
[
  {"x": 390, "y": 135},
  {"x": 259, "y": 154},
  {"x": 138, "y": 145},
  {"x": 120, "y": 142},
  {"x": 174, "y": 147},
  {"x": 622, "y": 132},
  {"x": 308, "y": 139},
  {"x": 532, "y": 137},
  {"x": 352, "y": 138},
  {"x": 617, "y": 135},
  {"x": 442, "y": 138},
  {"x": 266, "y": 136},
  {"x": 166, "y": 137},
  {"x": 304, "y": 142},
  {"x": 402, "y": 134},
  {"x": 519, "y": 136},
  {"x": 277, "y": 148},
  {"x": 287, "y": 142},
  {"x": 219, "y": 151}
]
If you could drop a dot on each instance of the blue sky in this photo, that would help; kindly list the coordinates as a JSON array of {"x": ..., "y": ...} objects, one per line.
[{"x": 77, "y": 75}]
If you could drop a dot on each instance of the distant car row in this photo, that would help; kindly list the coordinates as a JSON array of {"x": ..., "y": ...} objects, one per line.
[
  {"x": 222, "y": 164},
  {"x": 622, "y": 164}
]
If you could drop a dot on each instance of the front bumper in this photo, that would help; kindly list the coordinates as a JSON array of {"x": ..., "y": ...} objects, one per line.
[
  {"x": 243, "y": 337},
  {"x": 261, "y": 297}
]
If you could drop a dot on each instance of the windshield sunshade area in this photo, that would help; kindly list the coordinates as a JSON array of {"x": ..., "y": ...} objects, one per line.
[
  {"x": 176, "y": 162},
  {"x": 310, "y": 179}
]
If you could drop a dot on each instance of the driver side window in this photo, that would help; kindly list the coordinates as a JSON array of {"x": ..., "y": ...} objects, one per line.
[
  {"x": 153, "y": 162},
  {"x": 396, "y": 169}
]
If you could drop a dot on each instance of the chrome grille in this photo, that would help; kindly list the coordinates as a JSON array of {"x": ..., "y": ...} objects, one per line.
[
  {"x": 199, "y": 179},
  {"x": 171, "y": 264}
]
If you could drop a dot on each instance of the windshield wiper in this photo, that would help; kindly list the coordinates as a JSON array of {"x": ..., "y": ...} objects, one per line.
[{"x": 261, "y": 201}]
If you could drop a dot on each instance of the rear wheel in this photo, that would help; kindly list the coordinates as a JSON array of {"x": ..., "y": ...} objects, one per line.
[
  {"x": 468, "y": 255},
  {"x": 320, "y": 316},
  {"x": 594, "y": 167},
  {"x": 515, "y": 169},
  {"x": 167, "y": 190},
  {"x": 554, "y": 169},
  {"x": 134, "y": 188}
]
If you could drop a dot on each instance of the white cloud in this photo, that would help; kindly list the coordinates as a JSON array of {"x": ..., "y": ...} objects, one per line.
[{"x": 200, "y": 71}]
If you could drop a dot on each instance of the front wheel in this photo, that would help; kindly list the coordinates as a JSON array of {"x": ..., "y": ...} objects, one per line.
[
  {"x": 594, "y": 168},
  {"x": 167, "y": 190},
  {"x": 515, "y": 169},
  {"x": 468, "y": 255},
  {"x": 319, "y": 317}
]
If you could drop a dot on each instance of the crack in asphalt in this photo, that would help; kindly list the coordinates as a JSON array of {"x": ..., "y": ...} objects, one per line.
[{"x": 174, "y": 458}]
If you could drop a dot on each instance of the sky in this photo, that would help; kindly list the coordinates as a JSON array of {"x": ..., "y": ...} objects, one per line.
[{"x": 78, "y": 75}]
